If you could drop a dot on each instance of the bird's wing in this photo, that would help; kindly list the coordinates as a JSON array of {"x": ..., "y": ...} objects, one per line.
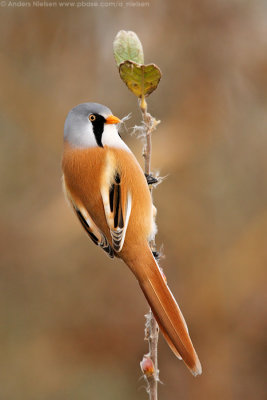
[
  {"x": 117, "y": 202},
  {"x": 90, "y": 227}
]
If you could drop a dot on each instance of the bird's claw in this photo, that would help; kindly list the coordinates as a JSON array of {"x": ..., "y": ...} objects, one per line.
[
  {"x": 156, "y": 255},
  {"x": 151, "y": 180}
]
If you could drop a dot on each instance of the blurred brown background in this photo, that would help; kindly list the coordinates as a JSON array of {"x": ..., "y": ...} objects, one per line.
[{"x": 71, "y": 319}]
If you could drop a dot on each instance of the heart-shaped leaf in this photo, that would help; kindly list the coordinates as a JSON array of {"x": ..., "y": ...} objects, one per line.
[
  {"x": 127, "y": 46},
  {"x": 142, "y": 80}
]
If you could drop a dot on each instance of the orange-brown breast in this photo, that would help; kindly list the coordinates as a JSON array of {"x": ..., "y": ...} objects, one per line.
[{"x": 83, "y": 169}]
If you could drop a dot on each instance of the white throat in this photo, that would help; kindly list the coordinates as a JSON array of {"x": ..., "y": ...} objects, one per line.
[{"x": 111, "y": 138}]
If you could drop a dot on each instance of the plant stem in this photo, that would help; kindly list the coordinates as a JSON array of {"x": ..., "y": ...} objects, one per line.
[
  {"x": 152, "y": 329},
  {"x": 148, "y": 146}
]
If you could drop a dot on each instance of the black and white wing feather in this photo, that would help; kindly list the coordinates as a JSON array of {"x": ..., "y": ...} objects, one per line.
[
  {"x": 117, "y": 204},
  {"x": 90, "y": 227}
]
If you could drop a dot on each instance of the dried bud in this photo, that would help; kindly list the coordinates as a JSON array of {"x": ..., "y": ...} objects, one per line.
[{"x": 147, "y": 366}]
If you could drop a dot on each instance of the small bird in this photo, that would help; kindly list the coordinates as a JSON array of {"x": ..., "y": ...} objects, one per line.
[{"x": 108, "y": 191}]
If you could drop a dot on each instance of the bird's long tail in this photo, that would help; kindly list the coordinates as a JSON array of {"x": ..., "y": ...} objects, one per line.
[{"x": 165, "y": 309}]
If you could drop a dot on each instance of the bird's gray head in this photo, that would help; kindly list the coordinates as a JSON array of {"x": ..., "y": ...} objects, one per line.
[{"x": 92, "y": 125}]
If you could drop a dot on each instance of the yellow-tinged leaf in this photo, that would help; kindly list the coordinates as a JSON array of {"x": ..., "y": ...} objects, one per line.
[{"x": 142, "y": 80}]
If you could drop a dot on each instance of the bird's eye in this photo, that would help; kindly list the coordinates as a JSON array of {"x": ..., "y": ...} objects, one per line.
[{"x": 92, "y": 117}]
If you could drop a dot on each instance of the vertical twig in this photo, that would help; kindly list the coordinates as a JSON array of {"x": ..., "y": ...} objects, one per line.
[
  {"x": 151, "y": 373},
  {"x": 142, "y": 80}
]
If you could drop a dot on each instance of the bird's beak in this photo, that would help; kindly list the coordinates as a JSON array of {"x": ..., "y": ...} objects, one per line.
[{"x": 111, "y": 119}]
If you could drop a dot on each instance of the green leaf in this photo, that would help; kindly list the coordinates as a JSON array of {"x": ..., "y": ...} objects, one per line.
[
  {"x": 127, "y": 46},
  {"x": 142, "y": 80}
]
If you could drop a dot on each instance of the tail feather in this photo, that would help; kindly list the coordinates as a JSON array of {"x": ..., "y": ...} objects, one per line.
[
  {"x": 168, "y": 340},
  {"x": 167, "y": 313}
]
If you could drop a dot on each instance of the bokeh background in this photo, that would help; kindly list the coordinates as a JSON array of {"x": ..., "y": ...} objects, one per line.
[{"x": 71, "y": 319}]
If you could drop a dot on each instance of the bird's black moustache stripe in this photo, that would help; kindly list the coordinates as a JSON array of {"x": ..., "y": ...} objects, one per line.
[{"x": 98, "y": 128}]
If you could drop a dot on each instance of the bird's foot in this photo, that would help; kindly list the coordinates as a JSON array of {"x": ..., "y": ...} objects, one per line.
[
  {"x": 151, "y": 180},
  {"x": 156, "y": 255}
]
